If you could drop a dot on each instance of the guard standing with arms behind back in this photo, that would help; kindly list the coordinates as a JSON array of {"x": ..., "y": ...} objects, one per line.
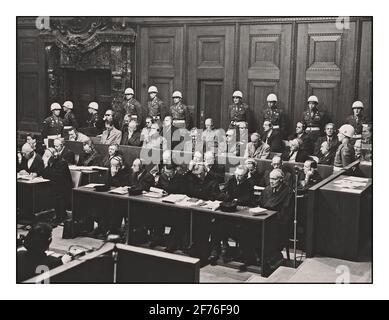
[{"x": 53, "y": 125}]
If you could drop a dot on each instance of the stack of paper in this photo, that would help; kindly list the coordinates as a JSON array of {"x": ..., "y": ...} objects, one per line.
[
  {"x": 120, "y": 190},
  {"x": 174, "y": 198},
  {"x": 92, "y": 185},
  {"x": 212, "y": 205}
]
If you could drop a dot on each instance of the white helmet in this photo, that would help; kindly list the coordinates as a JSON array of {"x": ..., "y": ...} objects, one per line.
[
  {"x": 177, "y": 94},
  {"x": 129, "y": 91},
  {"x": 272, "y": 97},
  {"x": 357, "y": 104},
  {"x": 347, "y": 130},
  {"x": 68, "y": 104},
  {"x": 313, "y": 99},
  {"x": 93, "y": 105},
  {"x": 153, "y": 89},
  {"x": 55, "y": 106},
  {"x": 237, "y": 94}
]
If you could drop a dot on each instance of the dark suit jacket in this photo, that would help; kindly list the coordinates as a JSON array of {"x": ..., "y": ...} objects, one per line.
[
  {"x": 58, "y": 172},
  {"x": 274, "y": 141},
  {"x": 68, "y": 155},
  {"x": 218, "y": 172},
  {"x": 142, "y": 181},
  {"x": 119, "y": 180},
  {"x": 333, "y": 146},
  {"x": 133, "y": 141},
  {"x": 37, "y": 165},
  {"x": 243, "y": 192},
  {"x": 174, "y": 185},
  {"x": 307, "y": 144},
  {"x": 302, "y": 156},
  {"x": 91, "y": 159},
  {"x": 207, "y": 189}
]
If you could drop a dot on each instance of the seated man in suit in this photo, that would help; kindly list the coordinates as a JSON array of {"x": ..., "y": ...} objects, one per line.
[
  {"x": 209, "y": 135},
  {"x": 257, "y": 149},
  {"x": 309, "y": 176},
  {"x": 230, "y": 146},
  {"x": 36, "y": 243},
  {"x": 89, "y": 155},
  {"x": 330, "y": 138},
  {"x": 140, "y": 178},
  {"x": 111, "y": 134},
  {"x": 145, "y": 134},
  {"x": 254, "y": 175},
  {"x": 31, "y": 163},
  {"x": 113, "y": 151},
  {"x": 170, "y": 133},
  {"x": 276, "y": 163},
  {"x": 325, "y": 154},
  {"x": 74, "y": 135},
  {"x": 272, "y": 138},
  {"x": 213, "y": 168},
  {"x": 295, "y": 152},
  {"x": 35, "y": 143},
  {"x": 57, "y": 171},
  {"x": 306, "y": 144},
  {"x": 195, "y": 143},
  {"x": 64, "y": 152},
  {"x": 131, "y": 135},
  {"x": 173, "y": 182},
  {"x": 278, "y": 197},
  {"x": 155, "y": 140},
  {"x": 239, "y": 189}
]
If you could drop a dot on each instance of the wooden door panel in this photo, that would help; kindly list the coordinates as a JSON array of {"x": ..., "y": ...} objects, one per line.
[
  {"x": 326, "y": 68},
  {"x": 160, "y": 56},
  {"x": 264, "y": 67},
  {"x": 210, "y": 72}
]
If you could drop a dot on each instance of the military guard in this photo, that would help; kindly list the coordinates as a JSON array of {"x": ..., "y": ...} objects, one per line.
[
  {"x": 274, "y": 115},
  {"x": 238, "y": 111},
  {"x": 53, "y": 125},
  {"x": 131, "y": 106},
  {"x": 357, "y": 119},
  {"x": 155, "y": 106},
  {"x": 179, "y": 111},
  {"x": 314, "y": 119}
]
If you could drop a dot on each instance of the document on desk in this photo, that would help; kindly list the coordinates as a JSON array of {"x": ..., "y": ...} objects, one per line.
[
  {"x": 174, "y": 198},
  {"x": 92, "y": 185},
  {"x": 120, "y": 190},
  {"x": 211, "y": 205},
  {"x": 30, "y": 179},
  {"x": 257, "y": 210}
]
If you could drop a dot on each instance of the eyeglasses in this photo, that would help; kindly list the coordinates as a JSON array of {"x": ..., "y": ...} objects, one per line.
[{"x": 108, "y": 114}]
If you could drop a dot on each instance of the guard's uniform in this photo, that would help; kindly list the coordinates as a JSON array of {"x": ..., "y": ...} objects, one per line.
[
  {"x": 155, "y": 109},
  {"x": 70, "y": 120},
  {"x": 276, "y": 117},
  {"x": 238, "y": 113},
  {"x": 357, "y": 123},
  {"x": 314, "y": 121},
  {"x": 180, "y": 114},
  {"x": 344, "y": 155},
  {"x": 133, "y": 108},
  {"x": 52, "y": 126}
]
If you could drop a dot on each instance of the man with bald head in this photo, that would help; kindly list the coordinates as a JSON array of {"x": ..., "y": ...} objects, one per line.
[
  {"x": 295, "y": 152},
  {"x": 278, "y": 197},
  {"x": 257, "y": 149},
  {"x": 31, "y": 163},
  {"x": 276, "y": 163}
]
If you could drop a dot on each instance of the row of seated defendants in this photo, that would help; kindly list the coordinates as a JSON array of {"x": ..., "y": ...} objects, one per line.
[{"x": 202, "y": 176}]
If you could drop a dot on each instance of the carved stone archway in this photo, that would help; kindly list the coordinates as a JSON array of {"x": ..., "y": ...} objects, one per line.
[{"x": 83, "y": 43}]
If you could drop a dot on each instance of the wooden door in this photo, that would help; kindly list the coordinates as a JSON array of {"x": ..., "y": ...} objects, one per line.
[
  {"x": 210, "y": 72},
  {"x": 326, "y": 68},
  {"x": 160, "y": 58},
  {"x": 264, "y": 67}
]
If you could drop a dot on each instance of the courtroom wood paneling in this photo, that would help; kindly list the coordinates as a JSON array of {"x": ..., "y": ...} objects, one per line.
[
  {"x": 31, "y": 95},
  {"x": 365, "y": 86},
  {"x": 160, "y": 62},
  {"x": 264, "y": 66},
  {"x": 210, "y": 72},
  {"x": 326, "y": 68}
]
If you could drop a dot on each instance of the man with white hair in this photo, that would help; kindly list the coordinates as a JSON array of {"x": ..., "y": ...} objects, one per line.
[
  {"x": 32, "y": 162},
  {"x": 131, "y": 134},
  {"x": 295, "y": 153},
  {"x": 257, "y": 149},
  {"x": 64, "y": 152},
  {"x": 325, "y": 154},
  {"x": 278, "y": 197}
]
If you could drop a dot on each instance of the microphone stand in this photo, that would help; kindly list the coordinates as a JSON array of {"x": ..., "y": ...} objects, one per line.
[{"x": 295, "y": 218}]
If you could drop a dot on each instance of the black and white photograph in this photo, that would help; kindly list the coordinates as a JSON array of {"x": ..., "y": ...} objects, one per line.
[{"x": 200, "y": 150}]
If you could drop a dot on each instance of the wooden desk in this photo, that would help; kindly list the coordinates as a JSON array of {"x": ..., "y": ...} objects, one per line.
[
  {"x": 83, "y": 197},
  {"x": 344, "y": 217},
  {"x": 33, "y": 198}
]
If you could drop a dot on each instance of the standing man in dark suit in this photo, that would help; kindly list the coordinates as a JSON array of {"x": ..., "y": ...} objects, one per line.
[
  {"x": 272, "y": 138},
  {"x": 57, "y": 171}
]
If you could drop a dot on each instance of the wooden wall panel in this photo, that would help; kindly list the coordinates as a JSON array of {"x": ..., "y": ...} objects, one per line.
[
  {"x": 326, "y": 68},
  {"x": 31, "y": 90},
  {"x": 264, "y": 66}
]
